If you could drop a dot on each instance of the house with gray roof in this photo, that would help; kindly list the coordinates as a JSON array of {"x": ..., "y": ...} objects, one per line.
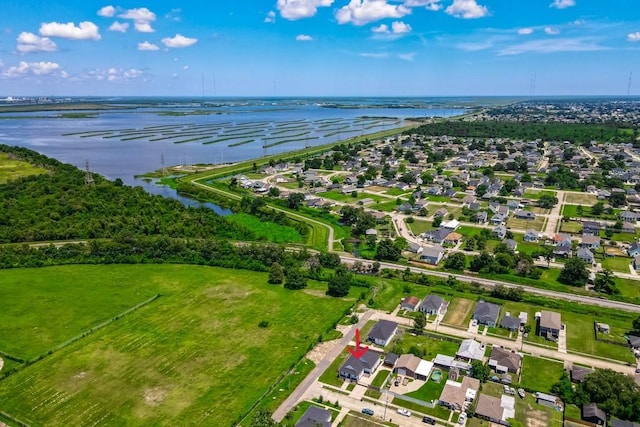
[
  {"x": 433, "y": 305},
  {"x": 500, "y": 232},
  {"x": 503, "y": 361},
  {"x": 315, "y": 417},
  {"x": 586, "y": 255},
  {"x": 591, "y": 413},
  {"x": 436, "y": 236},
  {"x": 382, "y": 332},
  {"x": 629, "y": 216},
  {"x": 510, "y": 323},
  {"x": 530, "y": 236},
  {"x": 590, "y": 241},
  {"x": 549, "y": 324},
  {"x": 522, "y": 214},
  {"x": 578, "y": 373},
  {"x": 432, "y": 255},
  {"x": 471, "y": 349},
  {"x": 511, "y": 244},
  {"x": 486, "y": 313},
  {"x": 354, "y": 368}
]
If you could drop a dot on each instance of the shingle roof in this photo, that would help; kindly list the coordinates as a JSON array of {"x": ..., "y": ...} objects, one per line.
[
  {"x": 509, "y": 322},
  {"x": 432, "y": 302},
  {"x": 315, "y": 416},
  {"x": 383, "y": 330},
  {"x": 592, "y": 410},
  {"x": 550, "y": 320},
  {"x": 505, "y": 358},
  {"x": 486, "y": 312},
  {"x": 490, "y": 407}
]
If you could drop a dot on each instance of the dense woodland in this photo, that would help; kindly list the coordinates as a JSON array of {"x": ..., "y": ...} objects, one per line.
[
  {"x": 59, "y": 206},
  {"x": 577, "y": 133}
]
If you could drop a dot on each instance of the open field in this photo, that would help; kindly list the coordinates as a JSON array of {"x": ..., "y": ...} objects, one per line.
[
  {"x": 195, "y": 355},
  {"x": 527, "y": 224},
  {"x": 540, "y": 374},
  {"x": 581, "y": 199},
  {"x": 459, "y": 312},
  {"x": 266, "y": 230},
  {"x": 420, "y": 226},
  {"x": 431, "y": 346},
  {"x": 536, "y": 194},
  {"x": 12, "y": 168}
]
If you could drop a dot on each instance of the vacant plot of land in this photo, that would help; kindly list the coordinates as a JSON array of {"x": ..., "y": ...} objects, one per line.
[
  {"x": 459, "y": 312},
  {"x": 526, "y": 224},
  {"x": 536, "y": 194},
  {"x": 616, "y": 263},
  {"x": 570, "y": 227},
  {"x": 266, "y": 230},
  {"x": 419, "y": 226},
  {"x": 428, "y": 345},
  {"x": 581, "y": 336},
  {"x": 195, "y": 355},
  {"x": 12, "y": 168},
  {"x": 581, "y": 199},
  {"x": 540, "y": 374}
]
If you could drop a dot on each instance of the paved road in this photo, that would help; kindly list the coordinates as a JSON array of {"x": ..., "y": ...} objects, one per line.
[
  {"x": 491, "y": 283},
  {"x": 322, "y": 366},
  {"x": 554, "y": 216}
]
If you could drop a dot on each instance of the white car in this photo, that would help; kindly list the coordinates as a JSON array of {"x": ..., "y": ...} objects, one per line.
[
  {"x": 404, "y": 412},
  {"x": 462, "y": 418}
]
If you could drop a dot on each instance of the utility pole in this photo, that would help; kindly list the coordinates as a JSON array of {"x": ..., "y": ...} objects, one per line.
[{"x": 88, "y": 177}]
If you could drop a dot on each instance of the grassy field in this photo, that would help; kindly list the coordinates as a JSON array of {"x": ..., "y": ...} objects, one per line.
[
  {"x": 194, "y": 355},
  {"x": 459, "y": 312},
  {"x": 617, "y": 264},
  {"x": 540, "y": 374},
  {"x": 11, "y": 169},
  {"x": 431, "y": 390},
  {"x": 432, "y": 346},
  {"x": 526, "y": 224},
  {"x": 581, "y": 199},
  {"x": 536, "y": 194},
  {"x": 420, "y": 226},
  {"x": 570, "y": 227},
  {"x": 266, "y": 230}
]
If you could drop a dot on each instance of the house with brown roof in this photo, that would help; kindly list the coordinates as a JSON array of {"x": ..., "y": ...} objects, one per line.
[
  {"x": 503, "y": 361},
  {"x": 490, "y": 408},
  {"x": 410, "y": 303},
  {"x": 412, "y": 366},
  {"x": 455, "y": 394}
]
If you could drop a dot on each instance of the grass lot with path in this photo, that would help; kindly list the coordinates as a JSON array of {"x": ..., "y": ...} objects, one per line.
[
  {"x": 540, "y": 374},
  {"x": 459, "y": 312},
  {"x": 527, "y": 224},
  {"x": 194, "y": 355},
  {"x": 11, "y": 169},
  {"x": 581, "y": 199}
]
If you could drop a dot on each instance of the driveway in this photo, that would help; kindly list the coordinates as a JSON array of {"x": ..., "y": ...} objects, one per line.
[{"x": 562, "y": 340}]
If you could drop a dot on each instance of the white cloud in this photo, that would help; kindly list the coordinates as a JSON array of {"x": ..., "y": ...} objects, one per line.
[
  {"x": 467, "y": 9},
  {"x": 374, "y": 55},
  {"x": 31, "y": 68},
  {"x": 433, "y": 5},
  {"x": 525, "y": 31},
  {"x": 120, "y": 27},
  {"x": 399, "y": 27},
  {"x": 147, "y": 46},
  {"x": 84, "y": 31},
  {"x": 174, "y": 76},
  {"x": 551, "y": 31},
  {"x": 107, "y": 11},
  {"x": 142, "y": 19},
  {"x": 270, "y": 18},
  {"x": 64, "y": 74},
  {"x": 578, "y": 44},
  {"x": 298, "y": 9},
  {"x": 381, "y": 29},
  {"x": 407, "y": 56},
  {"x": 304, "y": 38},
  {"x": 113, "y": 74},
  {"x": 634, "y": 37},
  {"x": 179, "y": 41},
  {"x": 361, "y": 12},
  {"x": 186, "y": 67},
  {"x": 174, "y": 15},
  {"x": 29, "y": 42},
  {"x": 562, "y": 4}
]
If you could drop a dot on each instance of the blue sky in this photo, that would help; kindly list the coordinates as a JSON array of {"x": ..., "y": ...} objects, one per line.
[{"x": 320, "y": 47}]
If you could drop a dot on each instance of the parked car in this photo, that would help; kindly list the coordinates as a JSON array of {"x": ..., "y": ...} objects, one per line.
[
  {"x": 429, "y": 420},
  {"x": 404, "y": 412},
  {"x": 521, "y": 393},
  {"x": 367, "y": 411},
  {"x": 397, "y": 381},
  {"x": 462, "y": 418}
]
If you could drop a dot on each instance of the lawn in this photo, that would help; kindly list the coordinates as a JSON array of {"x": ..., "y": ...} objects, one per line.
[
  {"x": 459, "y": 312},
  {"x": 536, "y": 194},
  {"x": 420, "y": 226},
  {"x": 468, "y": 231},
  {"x": 616, "y": 263},
  {"x": 330, "y": 376},
  {"x": 194, "y": 355},
  {"x": 540, "y": 374},
  {"x": 431, "y": 346},
  {"x": 11, "y": 169},
  {"x": 581, "y": 336},
  {"x": 570, "y": 227},
  {"x": 266, "y": 230},
  {"x": 389, "y": 293},
  {"x": 581, "y": 199},
  {"x": 431, "y": 390},
  {"x": 380, "y": 377},
  {"x": 347, "y": 198}
]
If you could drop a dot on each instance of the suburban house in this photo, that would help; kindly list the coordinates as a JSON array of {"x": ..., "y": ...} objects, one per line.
[
  {"x": 634, "y": 249},
  {"x": 503, "y": 361},
  {"x": 549, "y": 324},
  {"x": 530, "y": 236},
  {"x": 620, "y": 423},
  {"x": 562, "y": 239},
  {"x": 590, "y": 241},
  {"x": 486, "y": 313},
  {"x": 455, "y": 394},
  {"x": 410, "y": 303},
  {"x": 522, "y": 214},
  {"x": 315, "y": 417},
  {"x": 382, "y": 332},
  {"x": 433, "y": 305},
  {"x": 591, "y": 413},
  {"x": 634, "y": 341},
  {"x": 497, "y": 219},
  {"x": 629, "y": 216},
  {"x": 471, "y": 349},
  {"x": 432, "y": 255},
  {"x": 586, "y": 255},
  {"x": 511, "y": 244},
  {"x": 453, "y": 238},
  {"x": 495, "y": 410},
  {"x": 353, "y": 368},
  {"x": 510, "y": 323},
  {"x": 412, "y": 366},
  {"x": 500, "y": 232},
  {"x": 591, "y": 227},
  {"x": 578, "y": 373},
  {"x": 451, "y": 225},
  {"x": 448, "y": 362},
  {"x": 390, "y": 360},
  {"x": 436, "y": 236},
  {"x": 481, "y": 217},
  {"x": 636, "y": 262}
]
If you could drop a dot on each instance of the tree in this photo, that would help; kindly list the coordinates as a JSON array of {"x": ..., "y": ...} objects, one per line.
[
  {"x": 295, "y": 200},
  {"x": 615, "y": 393},
  {"x": 604, "y": 283},
  {"x": 574, "y": 273},
  {"x": 387, "y": 251},
  {"x": 274, "y": 192},
  {"x": 636, "y": 324},
  {"x": 480, "y": 371},
  {"x": 547, "y": 201},
  {"x": 437, "y": 221},
  {"x": 456, "y": 261},
  {"x": 276, "y": 274},
  {"x": 564, "y": 389},
  {"x": 597, "y": 209},
  {"x": 470, "y": 244},
  {"x": 419, "y": 323},
  {"x": 618, "y": 199},
  {"x": 340, "y": 282},
  {"x": 262, "y": 418},
  {"x": 295, "y": 279}
]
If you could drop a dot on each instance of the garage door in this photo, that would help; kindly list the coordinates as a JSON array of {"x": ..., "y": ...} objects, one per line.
[{"x": 402, "y": 372}]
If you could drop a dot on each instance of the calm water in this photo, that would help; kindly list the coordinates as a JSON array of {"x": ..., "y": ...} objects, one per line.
[{"x": 115, "y": 158}]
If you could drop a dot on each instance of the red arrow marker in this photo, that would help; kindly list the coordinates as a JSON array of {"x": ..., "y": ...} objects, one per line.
[{"x": 358, "y": 351}]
